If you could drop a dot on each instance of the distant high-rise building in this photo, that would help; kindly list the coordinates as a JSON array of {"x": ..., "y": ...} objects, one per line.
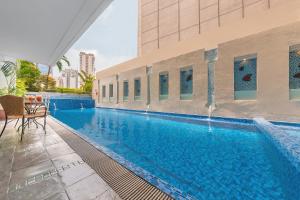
[
  {"x": 87, "y": 62},
  {"x": 68, "y": 79}
]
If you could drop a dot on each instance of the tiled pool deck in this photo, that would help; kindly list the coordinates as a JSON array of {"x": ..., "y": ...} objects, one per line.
[
  {"x": 60, "y": 165},
  {"x": 45, "y": 167}
]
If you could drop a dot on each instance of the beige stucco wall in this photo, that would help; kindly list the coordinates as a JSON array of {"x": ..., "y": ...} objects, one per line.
[
  {"x": 110, "y": 102},
  {"x": 267, "y": 34},
  {"x": 272, "y": 49},
  {"x": 173, "y": 104},
  {"x": 165, "y": 22},
  {"x": 131, "y": 103},
  {"x": 281, "y": 14},
  {"x": 130, "y": 76}
]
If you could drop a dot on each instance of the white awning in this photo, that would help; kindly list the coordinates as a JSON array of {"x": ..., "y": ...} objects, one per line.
[{"x": 42, "y": 31}]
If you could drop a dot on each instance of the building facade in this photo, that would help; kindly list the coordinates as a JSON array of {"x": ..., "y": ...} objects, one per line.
[
  {"x": 240, "y": 58},
  {"x": 69, "y": 79},
  {"x": 87, "y": 62}
]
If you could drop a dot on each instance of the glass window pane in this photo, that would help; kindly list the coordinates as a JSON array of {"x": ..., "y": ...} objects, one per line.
[
  {"x": 137, "y": 89},
  {"x": 111, "y": 90},
  {"x": 125, "y": 90},
  {"x": 103, "y": 91},
  {"x": 294, "y": 72},
  {"x": 186, "y": 83},
  {"x": 163, "y": 85},
  {"x": 245, "y": 78}
]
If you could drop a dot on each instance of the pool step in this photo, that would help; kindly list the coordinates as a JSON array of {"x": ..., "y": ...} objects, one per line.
[{"x": 288, "y": 144}]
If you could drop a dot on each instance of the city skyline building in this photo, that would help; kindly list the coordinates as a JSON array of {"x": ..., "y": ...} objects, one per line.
[
  {"x": 87, "y": 62},
  {"x": 69, "y": 78}
]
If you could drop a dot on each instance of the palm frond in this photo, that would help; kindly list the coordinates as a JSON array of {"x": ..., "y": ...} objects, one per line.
[
  {"x": 65, "y": 59},
  {"x": 59, "y": 65},
  {"x": 82, "y": 75},
  {"x": 8, "y": 68}
]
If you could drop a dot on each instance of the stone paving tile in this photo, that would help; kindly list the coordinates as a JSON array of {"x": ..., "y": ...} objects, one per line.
[
  {"x": 87, "y": 189},
  {"x": 39, "y": 191},
  {"x": 59, "y": 149},
  {"x": 29, "y": 157},
  {"x": 37, "y": 155},
  {"x": 58, "y": 196},
  {"x": 29, "y": 137},
  {"x": 48, "y": 140},
  {"x": 21, "y": 175},
  {"x": 8, "y": 140},
  {"x": 108, "y": 195},
  {"x": 3, "y": 188},
  {"x": 75, "y": 171}
]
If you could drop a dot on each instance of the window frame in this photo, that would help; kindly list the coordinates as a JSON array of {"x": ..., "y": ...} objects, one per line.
[
  {"x": 294, "y": 94},
  {"x": 163, "y": 96},
  {"x": 252, "y": 94},
  {"x": 136, "y": 97},
  {"x": 103, "y": 89},
  {"x": 186, "y": 96},
  {"x": 111, "y": 91},
  {"x": 125, "y": 98}
]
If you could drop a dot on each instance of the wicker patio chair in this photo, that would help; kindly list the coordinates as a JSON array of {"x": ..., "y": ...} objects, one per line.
[{"x": 14, "y": 108}]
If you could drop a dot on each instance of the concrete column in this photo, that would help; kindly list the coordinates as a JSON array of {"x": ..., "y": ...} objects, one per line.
[
  {"x": 149, "y": 72},
  {"x": 117, "y": 97},
  {"x": 211, "y": 57}
]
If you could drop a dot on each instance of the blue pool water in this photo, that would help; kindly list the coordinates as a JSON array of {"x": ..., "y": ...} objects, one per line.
[{"x": 206, "y": 161}]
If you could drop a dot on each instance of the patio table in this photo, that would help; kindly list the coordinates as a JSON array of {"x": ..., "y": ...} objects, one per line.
[{"x": 32, "y": 108}]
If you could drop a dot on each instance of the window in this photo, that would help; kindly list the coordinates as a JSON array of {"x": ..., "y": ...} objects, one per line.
[
  {"x": 294, "y": 72},
  {"x": 137, "y": 89},
  {"x": 103, "y": 91},
  {"x": 111, "y": 91},
  {"x": 245, "y": 77},
  {"x": 125, "y": 91},
  {"x": 186, "y": 83},
  {"x": 163, "y": 85}
]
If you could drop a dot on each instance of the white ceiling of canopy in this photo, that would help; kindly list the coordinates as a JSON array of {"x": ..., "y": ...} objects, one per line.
[{"x": 42, "y": 31}]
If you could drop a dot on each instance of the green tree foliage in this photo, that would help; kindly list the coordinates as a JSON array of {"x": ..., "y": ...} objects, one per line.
[
  {"x": 88, "y": 79},
  {"x": 20, "y": 88},
  {"x": 43, "y": 80},
  {"x": 59, "y": 65},
  {"x": 29, "y": 73},
  {"x": 14, "y": 87}
]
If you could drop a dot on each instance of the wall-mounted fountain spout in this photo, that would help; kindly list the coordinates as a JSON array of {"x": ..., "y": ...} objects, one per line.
[
  {"x": 148, "y": 108},
  {"x": 211, "y": 108}
]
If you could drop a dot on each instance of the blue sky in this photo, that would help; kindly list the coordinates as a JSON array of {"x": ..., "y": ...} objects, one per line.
[{"x": 112, "y": 37}]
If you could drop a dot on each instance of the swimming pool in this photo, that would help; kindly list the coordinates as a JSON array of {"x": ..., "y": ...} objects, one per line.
[{"x": 196, "y": 158}]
